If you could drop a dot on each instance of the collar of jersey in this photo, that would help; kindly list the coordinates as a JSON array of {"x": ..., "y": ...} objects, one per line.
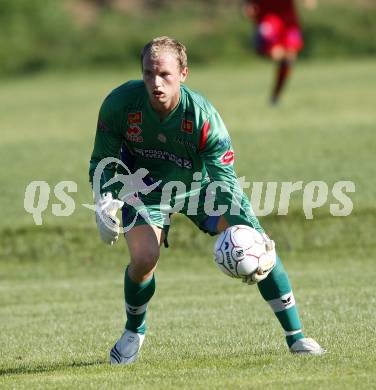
[{"x": 155, "y": 116}]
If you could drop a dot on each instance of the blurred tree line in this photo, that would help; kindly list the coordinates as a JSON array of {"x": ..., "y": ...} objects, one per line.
[{"x": 40, "y": 34}]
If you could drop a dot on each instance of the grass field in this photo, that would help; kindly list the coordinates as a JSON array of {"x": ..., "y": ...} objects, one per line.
[{"x": 61, "y": 297}]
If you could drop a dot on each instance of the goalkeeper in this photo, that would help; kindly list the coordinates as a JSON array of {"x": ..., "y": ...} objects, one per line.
[{"x": 167, "y": 135}]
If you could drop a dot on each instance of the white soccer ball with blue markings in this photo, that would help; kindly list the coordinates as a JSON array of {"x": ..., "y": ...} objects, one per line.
[{"x": 239, "y": 249}]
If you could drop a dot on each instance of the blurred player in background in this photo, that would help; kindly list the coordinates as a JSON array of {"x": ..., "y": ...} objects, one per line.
[
  {"x": 278, "y": 35},
  {"x": 163, "y": 129}
]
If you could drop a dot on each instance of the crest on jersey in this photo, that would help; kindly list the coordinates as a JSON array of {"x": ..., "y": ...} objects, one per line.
[
  {"x": 187, "y": 126},
  {"x": 133, "y": 134},
  {"x": 135, "y": 118}
]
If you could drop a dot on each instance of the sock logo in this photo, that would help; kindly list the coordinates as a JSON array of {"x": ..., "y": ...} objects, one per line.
[
  {"x": 282, "y": 303},
  {"x": 135, "y": 310}
]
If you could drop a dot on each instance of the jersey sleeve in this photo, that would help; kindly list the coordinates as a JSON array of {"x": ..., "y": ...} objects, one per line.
[
  {"x": 216, "y": 150},
  {"x": 108, "y": 141},
  {"x": 218, "y": 157}
]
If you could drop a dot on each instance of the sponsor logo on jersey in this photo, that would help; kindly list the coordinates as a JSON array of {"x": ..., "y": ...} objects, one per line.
[
  {"x": 135, "y": 118},
  {"x": 187, "y": 126},
  {"x": 133, "y": 134},
  {"x": 227, "y": 158},
  {"x": 184, "y": 141},
  {"x": 181, "y": 162}
]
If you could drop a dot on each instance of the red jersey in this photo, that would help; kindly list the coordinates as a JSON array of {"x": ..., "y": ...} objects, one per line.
[{"x": 285, "y": 9}]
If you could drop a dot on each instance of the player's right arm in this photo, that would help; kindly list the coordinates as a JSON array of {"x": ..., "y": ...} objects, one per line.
[{"x": 108, "y": 140}]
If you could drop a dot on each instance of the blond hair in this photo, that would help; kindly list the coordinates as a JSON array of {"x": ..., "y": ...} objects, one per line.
[{"x": 165, "y": 44}]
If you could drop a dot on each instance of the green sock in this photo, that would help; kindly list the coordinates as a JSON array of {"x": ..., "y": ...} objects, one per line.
[
  {"x": 137, "y": 297},
  {"x": 276, "y": 290}
]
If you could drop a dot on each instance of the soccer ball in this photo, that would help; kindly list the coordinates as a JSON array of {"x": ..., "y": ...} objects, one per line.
[{"x": 239, "y": 249}]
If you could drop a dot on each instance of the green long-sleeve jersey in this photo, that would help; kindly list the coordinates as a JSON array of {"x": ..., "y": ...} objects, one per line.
[{"x": 191, "y": 139}]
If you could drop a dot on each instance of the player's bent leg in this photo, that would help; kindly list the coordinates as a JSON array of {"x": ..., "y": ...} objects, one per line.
[
  {"x": 143, "y": 242},
  {"x": 139, "y": 287},
  {"x": 276, "y": 290},
  {"x": 139, "y": 282}
]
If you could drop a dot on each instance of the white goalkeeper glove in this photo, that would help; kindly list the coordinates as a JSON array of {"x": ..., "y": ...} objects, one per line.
[
  {"x": 266, "y": 263},
  {"x": 107, "y": 222}
]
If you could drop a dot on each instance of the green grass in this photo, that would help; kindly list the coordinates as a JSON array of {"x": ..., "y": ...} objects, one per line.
[
  {"x": 206, "y": 331},
  {"x": 36, "y": 35},
  {"x": 61, "y": 304}
]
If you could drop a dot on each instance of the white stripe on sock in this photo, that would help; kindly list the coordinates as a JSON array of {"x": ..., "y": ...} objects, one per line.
[
  {"x": 284, "y": 302},
  {"x": 292, "y": 332},
  {"x": 136, "y": 309}
]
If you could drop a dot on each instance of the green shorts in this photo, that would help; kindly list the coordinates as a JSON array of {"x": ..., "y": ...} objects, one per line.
[{"x": 149, "y": 211}]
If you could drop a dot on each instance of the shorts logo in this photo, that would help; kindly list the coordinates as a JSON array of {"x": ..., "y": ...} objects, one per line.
[
  {"x": 228, "y": 157},
  {"x": 187, "y": 126},
  {"x": 135, "y": 118},
  {"x": 133, "y": 134}
]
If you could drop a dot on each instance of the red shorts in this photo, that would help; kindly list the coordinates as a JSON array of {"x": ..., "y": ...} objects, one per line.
[{"x": 272, "y": 31}]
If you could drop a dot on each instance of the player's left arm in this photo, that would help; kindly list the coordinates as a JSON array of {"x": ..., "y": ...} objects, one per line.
[{"x": 218, "y": 157}]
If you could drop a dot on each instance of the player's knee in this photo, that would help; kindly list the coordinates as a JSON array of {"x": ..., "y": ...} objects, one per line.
[
  {"x": 145, "y": 260},
  {"x": 278, "y": 53}
]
